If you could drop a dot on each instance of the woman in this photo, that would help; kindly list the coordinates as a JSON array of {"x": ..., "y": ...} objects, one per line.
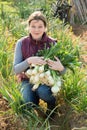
[{"x": 25, "y": 51}]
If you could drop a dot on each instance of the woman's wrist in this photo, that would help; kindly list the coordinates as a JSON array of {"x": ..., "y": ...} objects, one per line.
[
  {"x": 61, "y": 69},
  {"x": 28, "y": 60}
]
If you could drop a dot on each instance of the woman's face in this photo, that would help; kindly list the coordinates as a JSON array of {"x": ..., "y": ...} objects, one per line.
[{"x": 37, "y": 28}]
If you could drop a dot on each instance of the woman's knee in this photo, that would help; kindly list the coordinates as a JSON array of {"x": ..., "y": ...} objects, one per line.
[{"x": 44, "y": 92}]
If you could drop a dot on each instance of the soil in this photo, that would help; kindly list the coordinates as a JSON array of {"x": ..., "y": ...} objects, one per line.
[{"x": 7, "y": 121}]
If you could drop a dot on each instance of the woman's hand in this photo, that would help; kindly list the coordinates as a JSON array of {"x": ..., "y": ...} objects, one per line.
[
  {"x": 55, "y": 65},
  {"x": 36, "y": 60},
  {"x": 20, "y": 76}
]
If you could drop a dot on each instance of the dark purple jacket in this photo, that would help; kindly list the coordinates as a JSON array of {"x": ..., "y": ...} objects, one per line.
[{"x": 30, "y": 46}]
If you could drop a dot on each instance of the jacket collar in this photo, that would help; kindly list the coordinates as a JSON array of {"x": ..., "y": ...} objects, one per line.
[{"x": 41, "y": 41}]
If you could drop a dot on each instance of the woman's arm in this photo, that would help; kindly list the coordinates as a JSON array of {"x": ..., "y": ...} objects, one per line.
[{"x": 19, "y": 65}]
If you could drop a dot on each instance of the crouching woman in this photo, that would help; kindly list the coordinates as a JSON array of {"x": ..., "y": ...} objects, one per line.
[{"x": 25, "y": 55}]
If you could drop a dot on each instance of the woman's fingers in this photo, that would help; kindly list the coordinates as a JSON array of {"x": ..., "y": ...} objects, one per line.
[
  {"x": 56, "y": 58},
  {"x": 55, "y": 65},
  {"x": 50, "y": 62},
  {"x": 39, "y": 61},
  {"x": 36, "y": 60}
]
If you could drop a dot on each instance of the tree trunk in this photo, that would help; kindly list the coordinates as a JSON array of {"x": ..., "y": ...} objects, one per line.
[{"x": 78, "y": 12}]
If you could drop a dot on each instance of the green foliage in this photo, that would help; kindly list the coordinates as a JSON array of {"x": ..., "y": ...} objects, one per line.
[
  {"x": 74, "y": 89},
  {"x": 25, "y": 8},
  {"x": 19, "y": 30},
  {"x": 6, "y": 8},
  {"x": 5, "y": 64},
  {"x": 72, "y": 86},
  {"x": 11, "y": 93},
  {"x": 81, "y": 101},
  {"x": 5, "y": 57}
]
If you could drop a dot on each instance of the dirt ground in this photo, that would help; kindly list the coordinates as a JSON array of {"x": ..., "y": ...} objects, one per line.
[{"x": 6, "y": 119}]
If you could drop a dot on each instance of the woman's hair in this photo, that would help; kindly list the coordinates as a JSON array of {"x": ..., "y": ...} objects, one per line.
[{"x": 37, "y": 15}]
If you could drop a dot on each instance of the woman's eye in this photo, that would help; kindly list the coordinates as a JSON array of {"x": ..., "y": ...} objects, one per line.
[
  {"x": 40, "y": 27},
  {"x": 33, "y": 26},
  {"x": 36, "y": 27}
]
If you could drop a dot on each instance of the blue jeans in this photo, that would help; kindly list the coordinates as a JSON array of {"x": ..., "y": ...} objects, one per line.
[{"x": 42, "y": 92}]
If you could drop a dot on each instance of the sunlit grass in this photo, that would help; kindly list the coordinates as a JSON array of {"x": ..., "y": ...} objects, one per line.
[{"x": 74, "y": 89}]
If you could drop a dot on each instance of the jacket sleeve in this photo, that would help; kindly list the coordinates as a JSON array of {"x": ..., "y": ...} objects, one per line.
[{"x": 19, "y": 65}]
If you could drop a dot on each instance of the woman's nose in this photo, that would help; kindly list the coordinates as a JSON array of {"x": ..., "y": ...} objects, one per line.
[{"x": 36, "y": 29}]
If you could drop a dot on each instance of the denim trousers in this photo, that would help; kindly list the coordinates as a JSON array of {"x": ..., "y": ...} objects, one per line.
[{"x": 42, "y": 92}]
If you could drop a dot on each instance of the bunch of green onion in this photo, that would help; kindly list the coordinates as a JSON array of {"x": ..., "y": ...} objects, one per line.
[{"x": 38, "y": 75}]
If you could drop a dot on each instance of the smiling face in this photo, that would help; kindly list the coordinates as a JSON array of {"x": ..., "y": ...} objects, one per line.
[{"x": 37, "y": 28}]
